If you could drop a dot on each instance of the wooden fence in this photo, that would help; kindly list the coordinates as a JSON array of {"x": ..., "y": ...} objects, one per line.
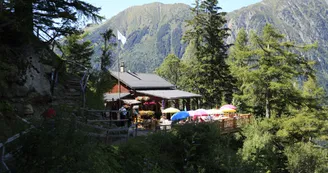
[
  {"x": 111, "y": 128},
  {"x": 6, "y": 155},
  {"x": 228, "y": 125}
]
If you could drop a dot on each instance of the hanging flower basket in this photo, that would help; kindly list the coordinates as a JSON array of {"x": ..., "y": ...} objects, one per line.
[
  {"x": 142, "y": 98},
  {"x": 146, "y": 114}
]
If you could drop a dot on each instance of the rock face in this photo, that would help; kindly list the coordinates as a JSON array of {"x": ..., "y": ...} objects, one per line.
[
  {"x": 32, "y": 87},
  {"x": 37, "y": 79},
  {"x": 153, "y": 31},
  {"x": 302, "y": 21}
]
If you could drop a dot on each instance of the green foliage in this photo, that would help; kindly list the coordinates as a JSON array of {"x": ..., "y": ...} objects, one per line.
[
  {"x": 188, "y": 148},
  {"x": 170, "y": 69},
  {"x": 58, "y": 17},
  {"x": 106, "y": 57},
  {"x": 64, "y": 149},
  {"x": 287, "y": 144},
  {"x": 77, "y": 52},
  {"x": 213, "y": 77},
  {"x": 100, "y": 82},
  {"x": 306, "y": 157},
  {"x": 9, "y": 124},
  {"x": 268, "y": 71}
]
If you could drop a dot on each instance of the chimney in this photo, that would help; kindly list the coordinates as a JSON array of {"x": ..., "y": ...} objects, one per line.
[{"x": 122, "y": 69}]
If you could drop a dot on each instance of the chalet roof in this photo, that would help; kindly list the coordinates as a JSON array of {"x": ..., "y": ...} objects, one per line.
[
  {"x": 114, "y": 96},
  {"x": 169, "y": 94},
  {"x": 142, "y": 80}
]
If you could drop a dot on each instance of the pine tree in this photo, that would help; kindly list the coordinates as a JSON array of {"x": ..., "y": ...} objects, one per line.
[
  {"x": 208, "y": 31},
  {"x": 106, "y": 55},
  {"x": 77, "y": 51},
  {"x": 58, "y": 17},
  {"x": 269, "y": 71}
]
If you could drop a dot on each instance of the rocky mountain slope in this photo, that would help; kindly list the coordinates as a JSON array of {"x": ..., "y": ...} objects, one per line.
[
  {"x": 155, "y": 30},
  {"x": 152, "y": 31}
]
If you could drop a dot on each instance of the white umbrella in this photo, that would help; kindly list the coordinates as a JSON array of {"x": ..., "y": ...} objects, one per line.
[{"x": 214, "y": 111}]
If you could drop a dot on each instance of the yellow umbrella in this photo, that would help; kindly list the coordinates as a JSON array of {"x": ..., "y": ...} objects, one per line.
[
  {"x": 170, "y": 110},
  {"x": 228, "y": 110}
]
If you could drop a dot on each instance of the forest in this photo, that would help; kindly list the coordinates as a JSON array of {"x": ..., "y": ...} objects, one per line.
[{"x": 262, "y": 73}]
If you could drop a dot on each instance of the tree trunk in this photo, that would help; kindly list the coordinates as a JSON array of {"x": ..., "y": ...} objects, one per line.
[
  {"x": 1, "y": 6},
  {"x": 24, "y": 15},
  {"x": 267, "y": 104}
]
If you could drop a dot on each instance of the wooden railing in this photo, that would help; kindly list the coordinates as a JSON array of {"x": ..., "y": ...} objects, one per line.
[
  {"x": 6, "y": 155},
  {"x": 112, "y": 128},
  {"x": 227, "y": 125}
]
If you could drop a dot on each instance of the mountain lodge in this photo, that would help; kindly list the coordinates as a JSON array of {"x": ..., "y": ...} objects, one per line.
[{"x": 149, "y": 91}]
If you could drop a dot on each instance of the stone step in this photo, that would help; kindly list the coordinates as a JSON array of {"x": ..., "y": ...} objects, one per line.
[
  {"x": 72, "y": 86},
  {"x": 72, "y": 97},
  {"x": 72, "y": 94}
]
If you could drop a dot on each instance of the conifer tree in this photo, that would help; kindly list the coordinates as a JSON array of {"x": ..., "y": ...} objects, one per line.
[
  {"x": 106, "y": 49},
  {"x": 77, "y": 51},
  {"x": 208, "y": 31},
  {"x": 59, "y": 17},
  {"x": 269, "y": 70}
]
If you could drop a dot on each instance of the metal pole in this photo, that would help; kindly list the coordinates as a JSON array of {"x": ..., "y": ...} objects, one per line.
[{"x": 118, "y": 75}]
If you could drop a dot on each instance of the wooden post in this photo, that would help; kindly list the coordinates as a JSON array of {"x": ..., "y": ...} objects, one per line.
[
  {"x": 176, "y": 103},
  {"x": 188, "y": 104},
  {"x": 2, "y": 152},
  {"x": 183, "y": 103},
  {"x": 222, "y": 125},
  {"x": 234, "y": 123},
  {"x": 197, "y": 100},
  {"x": 193, "y": 104},
  {"x": 136, "y": 126}
]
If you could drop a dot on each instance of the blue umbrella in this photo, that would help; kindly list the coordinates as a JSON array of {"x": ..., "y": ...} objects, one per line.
[{"x": 180, "y": 115}]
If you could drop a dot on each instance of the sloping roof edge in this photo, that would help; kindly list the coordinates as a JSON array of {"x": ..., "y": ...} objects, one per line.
[
  {"x": 115, "y": 96},
  {"x": 116, "y": 77},
  {"x": 169, "y": 94},
  {"x": 167, "y": 85}
]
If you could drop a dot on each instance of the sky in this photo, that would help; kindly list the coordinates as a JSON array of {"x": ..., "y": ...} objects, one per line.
[{"x": 110, "y": 8}]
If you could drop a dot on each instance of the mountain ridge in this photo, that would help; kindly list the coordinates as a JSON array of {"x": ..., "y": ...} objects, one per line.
[
  {"x": 155, "y": 30},
  {"x": 160, "y": 33},
  {"x": 301, "y": 21}
]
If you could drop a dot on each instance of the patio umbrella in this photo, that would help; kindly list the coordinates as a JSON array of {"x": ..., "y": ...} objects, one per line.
[
  {"x": 180, "y": 116},
  {"x": 170, "y": 110},
  {"x": 214, "y": 111},
  {"x": 201, "y": 112},
  {"x": 228, "y": 106},
  {"x": 191, "y": 113},
  {"x": 228, "y": 110}
]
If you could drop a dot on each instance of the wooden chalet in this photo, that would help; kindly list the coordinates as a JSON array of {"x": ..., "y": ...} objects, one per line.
[{"x": 150, "y": 91}]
